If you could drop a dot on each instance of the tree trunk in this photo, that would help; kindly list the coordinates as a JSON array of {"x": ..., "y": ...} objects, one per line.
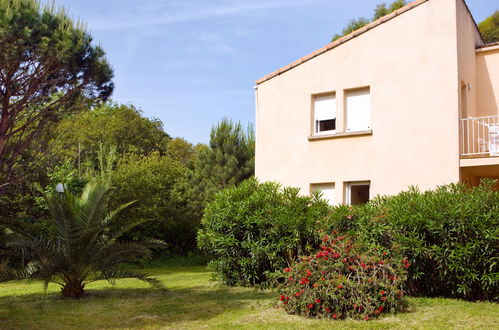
[{"x": 73, "y": 289}]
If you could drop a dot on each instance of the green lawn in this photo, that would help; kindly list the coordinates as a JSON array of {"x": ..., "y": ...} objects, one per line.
[{"x": 192, "y": 301}]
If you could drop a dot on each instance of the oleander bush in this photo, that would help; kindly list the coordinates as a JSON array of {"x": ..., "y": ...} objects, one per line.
[
  {"x": 256, "y": 229},
  {"x": 342, "y": 281},
  {"x": 450, "y": 235}
]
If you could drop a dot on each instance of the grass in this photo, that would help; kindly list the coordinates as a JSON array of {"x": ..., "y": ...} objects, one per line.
[{"x": 192, "y": 301}]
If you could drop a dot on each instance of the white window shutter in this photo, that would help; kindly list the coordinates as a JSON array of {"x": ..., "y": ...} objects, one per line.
[
  {"x": 325, "y": 107},
  {"x": 358, "y": 106},
  {"x": 328, "y": 192}
]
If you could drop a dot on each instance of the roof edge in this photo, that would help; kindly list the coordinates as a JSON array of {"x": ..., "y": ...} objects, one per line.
[
  {"x": 342, "y": 40},
  {"x": 474, "y": 21},
  {"x": 487, "y": 47}
]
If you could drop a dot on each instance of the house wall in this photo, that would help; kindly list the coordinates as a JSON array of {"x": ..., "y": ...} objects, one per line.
[
  {"x": 468, "y": 39},
  {"x": 487, "y": 81},
  {"x": 410, "y": 64}
]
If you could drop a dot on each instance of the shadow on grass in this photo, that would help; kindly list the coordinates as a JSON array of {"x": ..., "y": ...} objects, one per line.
[{"x": 131, "y": 308}]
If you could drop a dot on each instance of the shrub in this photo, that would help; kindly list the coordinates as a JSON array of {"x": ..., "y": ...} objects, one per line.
[
  {"x": 150, "y": 181},
  {"x": 256, "y": 229},
  {"x": 339, "y": 282},
  {"x": 450, "y": 235},
  {"x": 82, "y": 247}
]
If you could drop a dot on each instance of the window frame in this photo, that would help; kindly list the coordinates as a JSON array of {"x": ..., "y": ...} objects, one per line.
[
  {"x": 315, "y": 122},
  {"x": 348, "y": 190},
  {"x": 314, "y": 186},
  {"x": 345, "y": 108}
]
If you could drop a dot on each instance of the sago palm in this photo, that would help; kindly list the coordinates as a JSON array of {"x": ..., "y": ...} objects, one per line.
[{"x": 84, "y": 245}]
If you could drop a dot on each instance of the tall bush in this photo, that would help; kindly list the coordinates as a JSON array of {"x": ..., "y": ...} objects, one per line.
[
  {"x": 150, "y": 180},
  {"x": 257, "y": 228},
  {"x": 450, "y": 234}
]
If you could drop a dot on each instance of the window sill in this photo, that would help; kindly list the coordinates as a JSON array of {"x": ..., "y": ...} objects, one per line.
[{"x": 339, "y": 135}]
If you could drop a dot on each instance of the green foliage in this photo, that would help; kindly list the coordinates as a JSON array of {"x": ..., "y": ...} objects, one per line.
[
  {"x": 353, "y": 25},
  {"x": 78, "y": 138},
  {"x": 450, "y": 235},
  {"x": 150, "y": 181},
  {"x": 380, "y": 11},
  {"x": 341, "y": 282},
  {"x": 489, "y": 28},
  {"x": 47, "y": 64},
  {"x": 254, "y": 229},
  {"x": 182, "y": 151},
  {"x": 228, "y": 160},
  {"x": 82, "y": 248}
]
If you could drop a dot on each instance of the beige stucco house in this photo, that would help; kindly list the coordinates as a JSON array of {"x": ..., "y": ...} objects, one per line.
[{"x": 410, "y": 99}]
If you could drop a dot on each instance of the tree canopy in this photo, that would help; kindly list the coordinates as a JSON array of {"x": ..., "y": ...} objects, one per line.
[
  {"x": 489, "y": 28},
  {"x": 380, "y": 11},
  {"x": 47, "y": 63},
  {"x": 77, "y": 137},
  {"x": 227, "y": 161}
]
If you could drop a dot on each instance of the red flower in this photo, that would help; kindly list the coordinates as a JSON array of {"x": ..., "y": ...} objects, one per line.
[
  {"x": 287, "y": 270},
  {"x": 384, "y": 253},
  {"x": 298, "y": 294},
  {"x": 328, "y": 309},
  {"x": 326, "y": 238},
  {"x": 381, "y": 262},
  {"x": 383, "y": 298},
  {"x": 345, "y": 260},
  {"x": 318, "y": 300},
  {"x": 335, "y": 316},
  {"x": 340, "y": 286},
  {"x": 310, "y": 306},
  {"x": 304, "y": 281},
  {"x": 282, "y": 298},
  {"x": 309, "y": 273},
  {"x": 291, "y": 278},
  {"x": 366, "y": 318},
  {"x": 382, "y": 292},
  {"x": 380, "y": 309}
]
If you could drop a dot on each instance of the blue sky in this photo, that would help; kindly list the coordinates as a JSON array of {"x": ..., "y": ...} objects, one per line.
[{"x": 192, "y": 62}]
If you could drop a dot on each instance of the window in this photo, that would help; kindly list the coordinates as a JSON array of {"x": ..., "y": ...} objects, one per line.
[
  {"x": 358, "y": 109},
  {"x": 357, "y": 193},
  {"x": 324, "y": 114},
  {"x": 327, "y": 190}
]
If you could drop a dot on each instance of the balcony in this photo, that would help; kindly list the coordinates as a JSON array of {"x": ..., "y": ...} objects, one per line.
[
  {"x": 480, "y": 137},
  {"x": 479, "y": 149}
]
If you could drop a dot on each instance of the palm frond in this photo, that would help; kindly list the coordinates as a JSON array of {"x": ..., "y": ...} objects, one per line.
[{"x": 83, "y": 248}]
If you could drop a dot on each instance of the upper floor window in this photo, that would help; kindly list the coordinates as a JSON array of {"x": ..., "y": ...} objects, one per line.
[
  {"x": 324, "y": 113},
  {"x": 358, "y": 109}
]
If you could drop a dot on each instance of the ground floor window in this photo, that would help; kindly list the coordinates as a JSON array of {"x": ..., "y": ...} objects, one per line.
[
  {"x": 327, "y": 191},
  {"x": 357, "y": 192}
]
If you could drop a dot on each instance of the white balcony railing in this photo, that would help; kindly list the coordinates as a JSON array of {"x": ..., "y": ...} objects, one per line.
[{"x": 480, "y": 136}]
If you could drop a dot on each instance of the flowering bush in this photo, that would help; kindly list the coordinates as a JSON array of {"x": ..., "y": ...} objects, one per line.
[
  {"x": 449, "y": 234},
  {"x": 338, "y": 282}
]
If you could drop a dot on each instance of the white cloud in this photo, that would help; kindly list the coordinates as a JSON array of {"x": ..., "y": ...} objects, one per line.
[{"x": 155, "y": 12}]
